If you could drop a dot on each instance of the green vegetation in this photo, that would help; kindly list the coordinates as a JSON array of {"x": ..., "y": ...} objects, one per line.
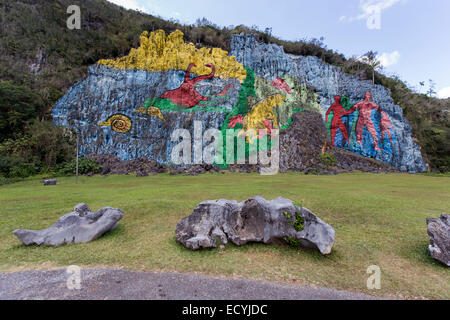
[
  {"x": 298, "y": 223},
  {"x": 19, "y": 106},
  {"x": 327, "y": 159},
  {"x": 39, "y": 149},
  {"x": 379, "y": 220},
  {"x": 39, "y": 54},
  {"x": 85, "y": 166}
]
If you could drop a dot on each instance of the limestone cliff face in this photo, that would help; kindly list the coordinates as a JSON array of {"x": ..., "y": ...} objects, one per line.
[
  {"x": 129, "y": 107},
  {"x": 108, "y": 91},
  {"x": 270, "y": 61}
]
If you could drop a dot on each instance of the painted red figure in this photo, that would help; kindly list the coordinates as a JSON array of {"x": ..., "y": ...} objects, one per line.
[
  {"x": 336, "y": 123},
  {"x": 385, "y": 123},
  {"x": 186, "y": 95},
  {"x": 225, "y": 91},
  {"x": 235, "y": 120},
  {"x": 269, "y": 128},
  {"x": 281, "y": 85},
  {"x": 365, "y": 111}
]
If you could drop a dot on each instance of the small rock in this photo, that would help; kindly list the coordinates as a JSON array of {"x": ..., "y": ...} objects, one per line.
[{"x": 50, "y": 182}]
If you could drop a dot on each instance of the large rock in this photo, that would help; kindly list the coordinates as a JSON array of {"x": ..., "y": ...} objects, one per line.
[
  {"x": 439, "y": 232},
  {"x": 81, "y": 225},
  {"x": 214, "y": 223}
]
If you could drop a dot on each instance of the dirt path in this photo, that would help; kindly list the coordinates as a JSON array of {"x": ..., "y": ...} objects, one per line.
[{"x": 98, "y": 284}]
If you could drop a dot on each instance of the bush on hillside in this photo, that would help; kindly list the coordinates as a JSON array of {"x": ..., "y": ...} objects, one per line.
[
  {"x": 40, "y": 148},
  {"x": 85, "y": 166}
]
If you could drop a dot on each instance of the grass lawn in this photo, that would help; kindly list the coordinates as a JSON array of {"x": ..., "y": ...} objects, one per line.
[{"x": 379, "y": 220}]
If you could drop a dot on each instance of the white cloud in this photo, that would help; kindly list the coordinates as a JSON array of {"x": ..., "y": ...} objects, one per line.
[
  {"x": 444, "y": 93},
  {"x": 129, "y": 4},
  {"x": 389, "y": 59},
  {"x": 370, "y": 7}
]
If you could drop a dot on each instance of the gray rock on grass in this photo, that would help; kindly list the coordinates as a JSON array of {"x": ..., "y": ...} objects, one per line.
[
  {"x": 215, "y": 223},
  {"x": 81, "y": 225},
  {"x": 439, "y": 232},
  {"x": 50, "y": 182}
]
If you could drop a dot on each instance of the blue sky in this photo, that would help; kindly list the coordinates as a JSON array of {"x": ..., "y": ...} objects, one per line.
[{"x": 411, "y": 36}]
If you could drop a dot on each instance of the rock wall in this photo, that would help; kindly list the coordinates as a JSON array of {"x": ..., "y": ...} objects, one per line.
[
  {"x": 129, "y": 107},
  {"x": 106, "y": 92},
  {"x": 271, "y": 62}
]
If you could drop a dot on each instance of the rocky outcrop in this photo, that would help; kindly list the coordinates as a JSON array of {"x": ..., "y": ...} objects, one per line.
[
  {"x": 113, "y": 165},
  {"x": 271, "y": 62},
  {"x": 215, "y": 223},
  {"x": 106, "y": 92},
  {"x": 439, "y": 232},
  {"x": 81, "y": 225},
  {"x": 299, "y": 154}
]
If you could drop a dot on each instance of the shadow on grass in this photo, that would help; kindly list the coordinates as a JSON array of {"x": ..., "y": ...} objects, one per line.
[
  {"x": 282, "y": 248},
  {"x": 420, "y": 254}
]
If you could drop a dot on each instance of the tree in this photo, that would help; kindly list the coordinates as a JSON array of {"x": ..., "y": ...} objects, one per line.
[
  {"x": 422, "y": 84},
  {"x": 268, "y": 31},
  {"x": 432, "y": 85},
  {"x": 19, "y": 105},
  {"x": 204, "y": 22},
  {"x": 371, "y": 59}
]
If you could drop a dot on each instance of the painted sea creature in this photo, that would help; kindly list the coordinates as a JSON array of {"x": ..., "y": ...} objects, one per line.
[{"x": 186, "y": 95}]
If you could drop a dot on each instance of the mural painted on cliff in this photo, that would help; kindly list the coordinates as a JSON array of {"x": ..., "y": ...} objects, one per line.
[
  {"x": 130, "y": 106},
  {"x": 262, "y": 104},
  {"x": 187, "y": 97},
  {"x": 361, "y": 128},
  {"x": 158, "y": 52}
]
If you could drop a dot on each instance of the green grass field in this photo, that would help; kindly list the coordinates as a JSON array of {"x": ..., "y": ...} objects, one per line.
[{"x": 379, "y": 220}]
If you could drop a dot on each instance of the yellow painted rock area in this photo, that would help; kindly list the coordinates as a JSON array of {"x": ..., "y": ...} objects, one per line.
[
  {"x": 159, "y": 52},
  {"x": 118, "y": 122},
  {"x": 261, "y": 111},
  {"x": 155, "y": 112},
  {"x": 151, "y": 111}
]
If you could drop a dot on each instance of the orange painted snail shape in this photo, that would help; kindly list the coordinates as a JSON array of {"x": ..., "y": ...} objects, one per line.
[{"x": 118, "y": 122}]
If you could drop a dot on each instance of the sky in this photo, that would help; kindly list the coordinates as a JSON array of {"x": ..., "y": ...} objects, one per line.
[{"x": 412, "y": 37}]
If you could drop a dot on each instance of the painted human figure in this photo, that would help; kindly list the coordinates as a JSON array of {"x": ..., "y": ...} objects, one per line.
[
  {"x": 336, "y": 123},
  {"x": 385, "y": 123},
  {"x": 365, "y": 111}
]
